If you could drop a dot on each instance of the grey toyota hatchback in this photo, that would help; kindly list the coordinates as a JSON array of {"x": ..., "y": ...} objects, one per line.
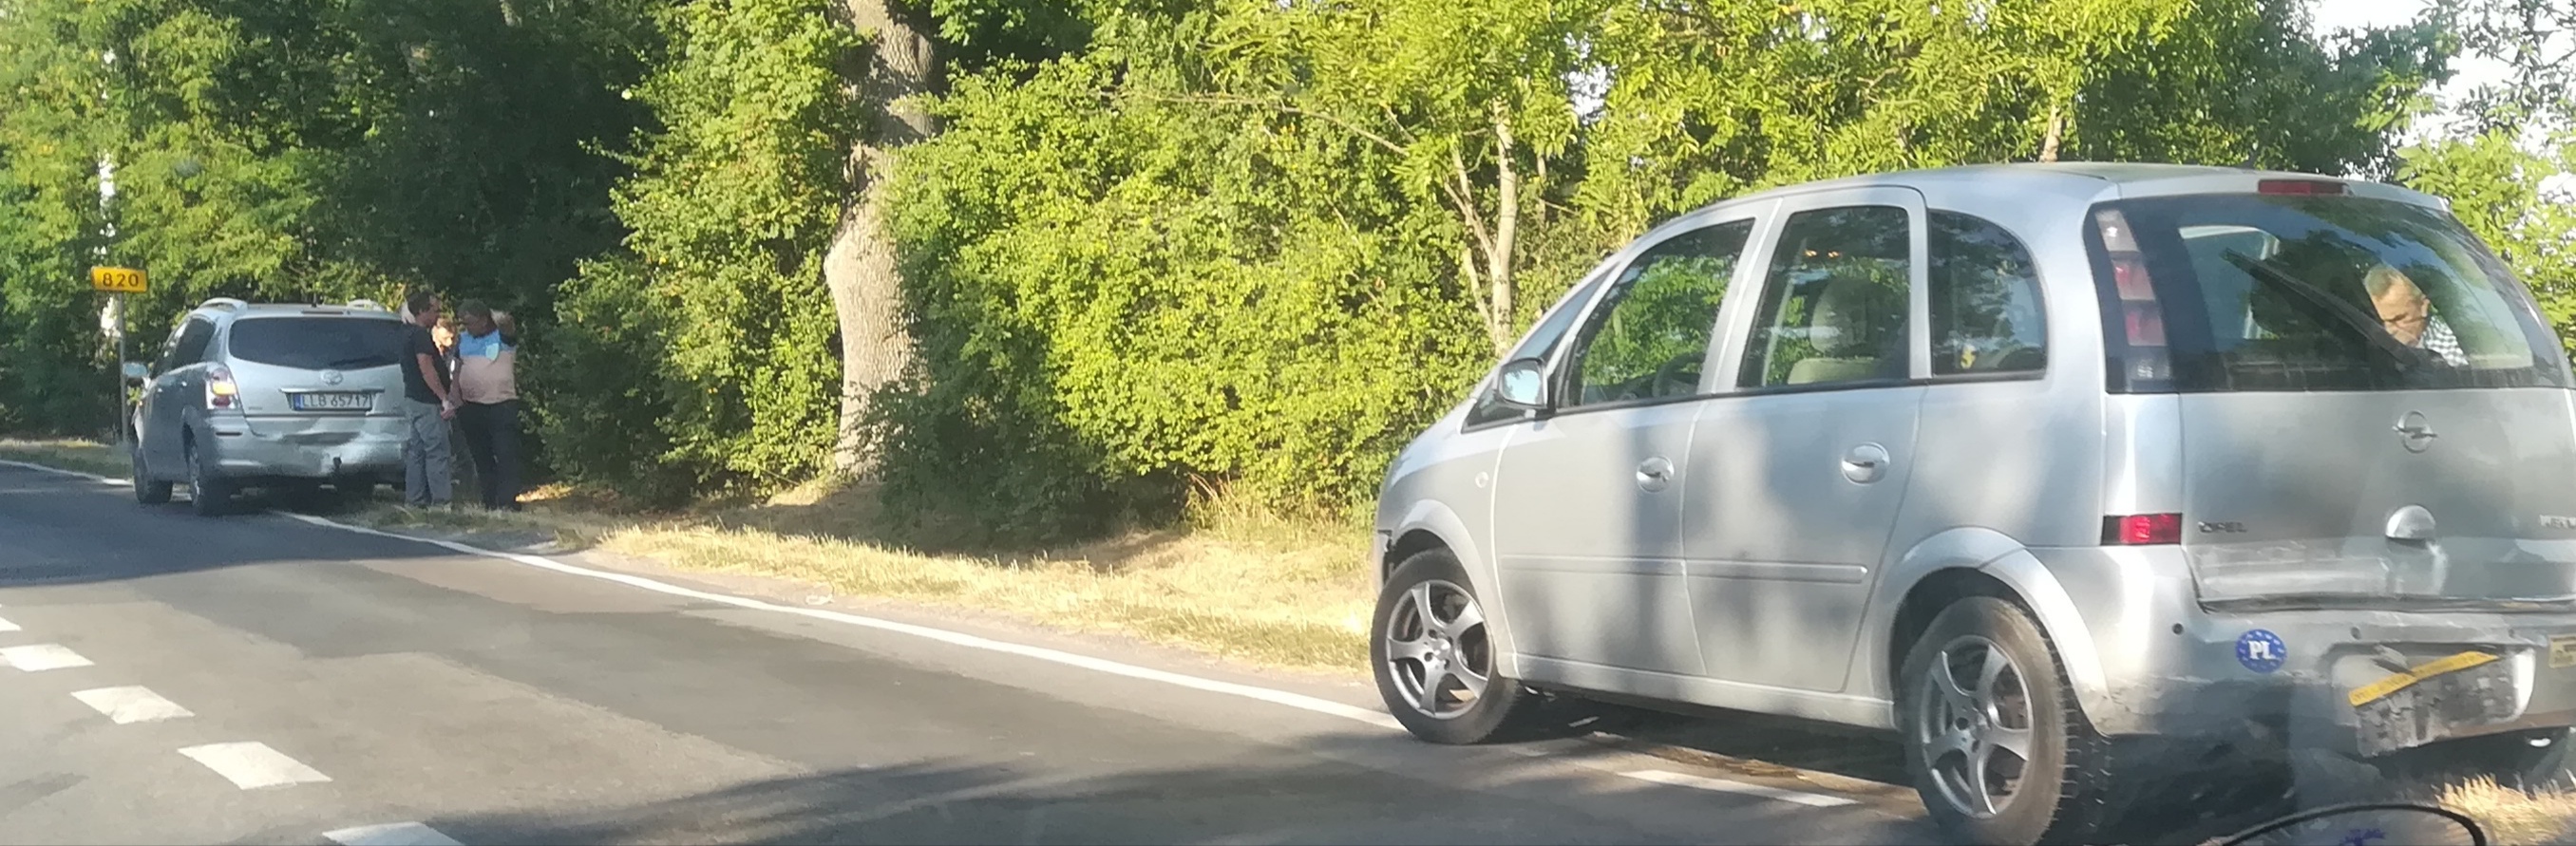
[
  {"x": 2068, "y": 474},
  {"x": 291, "y": 396}
]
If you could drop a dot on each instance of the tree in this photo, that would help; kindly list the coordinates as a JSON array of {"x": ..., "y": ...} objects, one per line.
[
  {"x": 2505, "y": 158},
  {"x": 901, "y": 68}
]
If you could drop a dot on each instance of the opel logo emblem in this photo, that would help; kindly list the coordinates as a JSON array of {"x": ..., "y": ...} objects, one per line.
[
  {"x": 330, "y": 377},
  {"x": 2415, "y": 432}
]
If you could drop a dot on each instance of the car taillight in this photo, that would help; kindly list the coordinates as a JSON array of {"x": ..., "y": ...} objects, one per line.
[
  {"x": 2141, "y": 529},
  {"x": 2142, "y": 317},
  {"x": 220, "y": 390}
]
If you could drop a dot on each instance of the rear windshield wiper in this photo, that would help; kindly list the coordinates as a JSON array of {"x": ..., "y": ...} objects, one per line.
[{"x": 2372, "y": 331}]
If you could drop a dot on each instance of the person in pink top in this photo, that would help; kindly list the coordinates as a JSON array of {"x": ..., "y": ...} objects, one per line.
[{"x": 487, "y": 386}]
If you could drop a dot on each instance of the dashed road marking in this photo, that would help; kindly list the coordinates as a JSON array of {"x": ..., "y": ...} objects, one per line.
[
  {"x": 6, "y": 626},
  {"x": 1812, "y": 800},
  {"x": 131, "y": 704},
  {"x": 252, "y": 765},
  {"x": 390, "y": 834},
  {"x": 40, "y": 657}
]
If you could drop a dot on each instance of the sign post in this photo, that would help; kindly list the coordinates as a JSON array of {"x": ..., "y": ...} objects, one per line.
[{"x": 117, "y": 282}]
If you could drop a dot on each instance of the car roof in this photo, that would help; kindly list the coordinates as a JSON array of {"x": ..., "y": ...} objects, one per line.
[
  {"x": 2091, "y": 182},
  {"x": 2026, "y": 195},
  {"x": 240, "y": 310}
]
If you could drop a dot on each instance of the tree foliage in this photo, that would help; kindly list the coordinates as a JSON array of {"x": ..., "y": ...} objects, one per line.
[
  {"x": 1147, "y": 250},
  {"x": 1260, "y": 244}
]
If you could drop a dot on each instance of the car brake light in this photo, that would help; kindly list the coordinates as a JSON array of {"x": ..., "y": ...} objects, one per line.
[
  {"x": 2142, "y": 317},
  {"x": 2141, "y": 529},
  {"x": 220, "y": 390},
  {"x": 2300, "y": 188}
]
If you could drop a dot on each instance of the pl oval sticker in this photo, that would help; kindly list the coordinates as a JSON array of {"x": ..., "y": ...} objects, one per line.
[{"x": 2261, "y": 651}]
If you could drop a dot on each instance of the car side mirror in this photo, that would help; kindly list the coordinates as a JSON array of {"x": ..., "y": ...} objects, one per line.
[
  {"x": 136, "y": 372},
  {"x": 1522, "y": 383}
]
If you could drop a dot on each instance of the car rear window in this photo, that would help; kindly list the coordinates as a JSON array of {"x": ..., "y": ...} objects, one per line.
[
  {"x": 318, "y": 343},
  {"x": 2261, "y": 292}
]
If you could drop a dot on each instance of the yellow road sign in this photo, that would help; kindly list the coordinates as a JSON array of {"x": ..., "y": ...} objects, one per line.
[{"x": 118, "y": 280}]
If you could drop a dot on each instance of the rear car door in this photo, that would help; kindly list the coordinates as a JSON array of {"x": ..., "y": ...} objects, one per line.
[
  {"x": 2374, "y": 413},
  {"x": 1587, "y": 505},
  {"x": 169, "y": 398},
  {"x": 1796, "y": 477}
]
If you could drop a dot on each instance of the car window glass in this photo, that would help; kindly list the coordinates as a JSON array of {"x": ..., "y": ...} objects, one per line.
[
  {"x": 1651, "y": 332},
  {"x": 2253, "y": 292},
  {"x": 1541, "y": 341},
  {"x": 190, "y": 347},
  {"x": 1834, "y": 303},
  {"x": 1986, "y": 315},
  {"x": 319, "y": 343}
]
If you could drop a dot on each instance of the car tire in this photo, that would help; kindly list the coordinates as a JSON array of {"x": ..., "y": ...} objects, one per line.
[
  {"x": 208, "y": 491},
  {"x": 1434, "y": 661},
  {"x": 148, "y": 490},
  {"x": 1952, "y": 727}
]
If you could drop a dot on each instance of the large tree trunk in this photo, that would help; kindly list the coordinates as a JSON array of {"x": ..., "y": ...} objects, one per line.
[{"x": 859, "y": 269}]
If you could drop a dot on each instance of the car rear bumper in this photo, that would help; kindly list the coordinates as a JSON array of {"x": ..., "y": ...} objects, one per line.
[
  {"x": 2333, "y": 679},
  {"x": 244, "y": 452}
]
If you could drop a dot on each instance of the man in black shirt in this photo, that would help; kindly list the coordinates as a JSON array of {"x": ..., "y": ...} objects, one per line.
[{"x": 427, "y": 405}]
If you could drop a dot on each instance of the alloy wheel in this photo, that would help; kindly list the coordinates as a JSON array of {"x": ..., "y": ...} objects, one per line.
[
  {"x": 1972, "y": 721},
  {"x": 1437, "y": 650}
]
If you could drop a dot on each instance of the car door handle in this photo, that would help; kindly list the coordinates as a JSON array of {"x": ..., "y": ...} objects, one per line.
[
  {"x": 1865, "y": 463},
  {"x": 1654, "y": 474}
]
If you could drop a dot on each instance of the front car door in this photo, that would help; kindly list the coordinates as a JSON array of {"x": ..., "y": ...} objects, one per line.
[
  {"x": 1587, "y": 499},
  {"x": 1796, "y": 477}
]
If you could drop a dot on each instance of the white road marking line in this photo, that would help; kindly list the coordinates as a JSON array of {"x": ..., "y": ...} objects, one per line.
[
  {"x": 1276, "y": 697},
  {"x": 251, "y": 765},
  {"x": 1261, "y": 694},
  {"x": 6, "y": 626},
  {"x": 131, "y": 704},
  {"x": 390, "y": 834},
  {"x": 40, "y": 657},
  {"x": 1813, "y": 800}
]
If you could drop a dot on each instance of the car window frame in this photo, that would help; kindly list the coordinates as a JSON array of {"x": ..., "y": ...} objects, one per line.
[
  {"x": 1575, "y": 300},
  {"x": 170, "y": 358},
  {"x": 1918, "y": 340},
  {"x": 1560, "y": 371},
  {"x": 2039, "y": 290}
]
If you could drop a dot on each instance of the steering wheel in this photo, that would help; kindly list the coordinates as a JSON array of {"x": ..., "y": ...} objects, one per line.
[{"x": 1668, "y": 380}]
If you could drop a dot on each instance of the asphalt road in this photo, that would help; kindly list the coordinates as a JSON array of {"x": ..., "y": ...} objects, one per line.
[{"x": 261, "y": 679}]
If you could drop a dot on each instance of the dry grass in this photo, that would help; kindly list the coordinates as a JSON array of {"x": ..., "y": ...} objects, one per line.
[
  {"x": 2513, "y": 816},
  {"x": 84, "y": 456},
  {"x": 1274, "y": 593},
  {"x": 1235, "y": 584}
]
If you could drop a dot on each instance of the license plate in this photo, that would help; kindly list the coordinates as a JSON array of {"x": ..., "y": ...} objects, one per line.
[
  {"x": 2433, "y": 700},
  {"x": 341, "y": 401}
]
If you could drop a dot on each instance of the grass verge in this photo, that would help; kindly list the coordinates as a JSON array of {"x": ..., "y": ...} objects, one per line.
[
  {"x": 1271, "y": 593},
  {"x": 83, "y": 456},
  {"x": 2512, "y": 816}
]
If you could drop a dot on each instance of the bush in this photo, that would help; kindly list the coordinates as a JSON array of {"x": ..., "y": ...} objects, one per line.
[
  {"x": 1115, "y": 299},
  {"x": 600, "y": 390}
]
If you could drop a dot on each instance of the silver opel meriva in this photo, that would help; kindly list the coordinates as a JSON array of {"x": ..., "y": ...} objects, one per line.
[{"x": 2059, "y": 471}]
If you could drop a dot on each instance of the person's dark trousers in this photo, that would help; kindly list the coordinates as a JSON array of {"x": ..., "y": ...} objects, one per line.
[{"x": 492, "y": 435}]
